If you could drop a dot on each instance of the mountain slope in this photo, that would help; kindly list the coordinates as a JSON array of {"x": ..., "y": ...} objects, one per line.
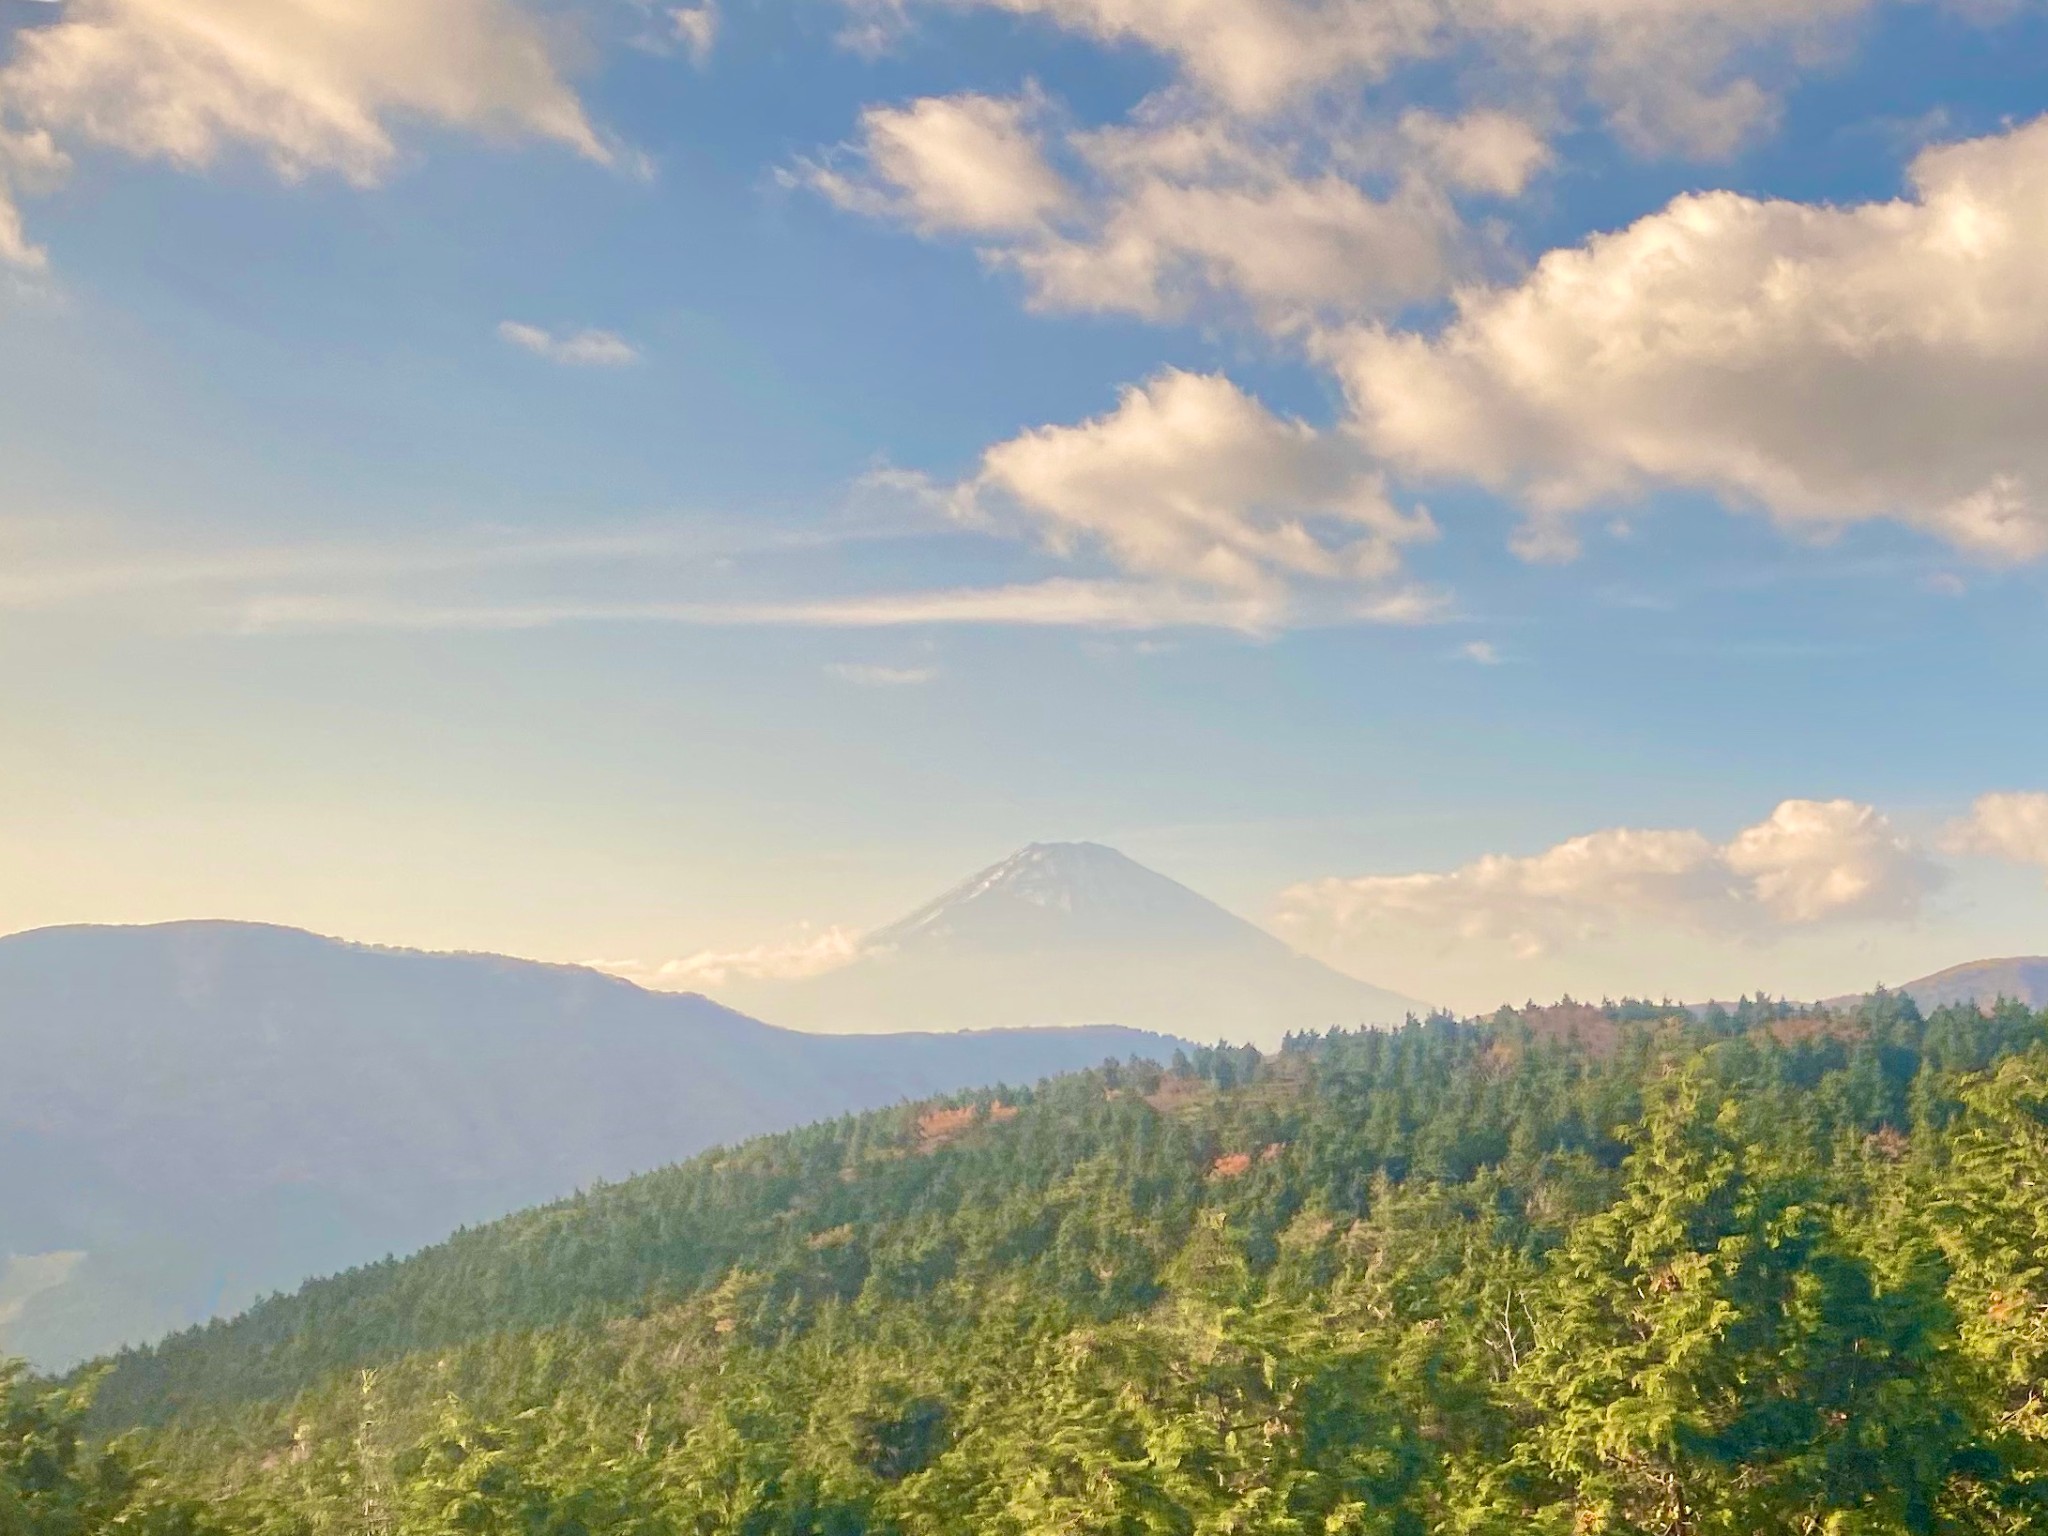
[
  {"x": 2024, "y": 980},
  {"x": 1074, "y": 933},
  {"x": 1449, "y": 1278},
  {"x": 194, "y": 1114}
]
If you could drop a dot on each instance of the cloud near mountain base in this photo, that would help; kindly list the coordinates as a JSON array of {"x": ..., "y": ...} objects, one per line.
[
  {"x": 1810, "y": 862},
  {"x": 2012, "y": 826},
  {"x": 809, "y": 952}
]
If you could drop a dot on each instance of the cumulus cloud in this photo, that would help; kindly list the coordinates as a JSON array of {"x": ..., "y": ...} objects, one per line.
[
  {"x": 1828, "y": 364},
  {"x": 310, "y": 85},
  {"x": 1241, "y": 186},
  {"x": 1810, "y": 862},
  {"x": 1820, "y": 860},
  {"x": 1177, "y": 211},
  {"x": 1192, "y": 483},
  {"x": 1486, "y": 151},
  {"x": 809, "y": 952},
  {"x": 1195, "y": 214},
  {"x": 2012, "y": 826},
  {"x": 577, "y": 349},
  {"x": 953, "y": 164},
  {"x": 1234, "y": 189}
]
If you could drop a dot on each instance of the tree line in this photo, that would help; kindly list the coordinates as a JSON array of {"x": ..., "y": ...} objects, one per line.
[{"x": 1619, "y": 1269}]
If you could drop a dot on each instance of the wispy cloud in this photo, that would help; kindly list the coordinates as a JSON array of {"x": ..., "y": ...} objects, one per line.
[
  {"x": 1056, "y": 604},
  {"x": 703, "y": 569},
  {"x": 863, "y": 675},
  {"x": 810, "y": 951},
  {"x": 46, "y": 580},
  {"x": 576, "y": 349},
  {"x": 696, "y": 28}
]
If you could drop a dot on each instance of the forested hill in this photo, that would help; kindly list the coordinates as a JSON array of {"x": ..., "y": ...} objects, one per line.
[
  {"x": 195, "y": 1114},
  {"x": 1570, "y": 1270}
]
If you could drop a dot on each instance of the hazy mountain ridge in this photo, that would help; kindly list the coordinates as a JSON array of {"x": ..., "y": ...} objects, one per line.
[
  {"x": 1077, "y": 933},
  {"x": 210, "y": 1111},
  {"x": 2022, "y": 980}
]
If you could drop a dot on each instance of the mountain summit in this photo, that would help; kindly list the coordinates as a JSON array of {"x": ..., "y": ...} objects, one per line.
[
  {"x": 1076, "y": 933},
  {"x": 1062, "y": 894}
]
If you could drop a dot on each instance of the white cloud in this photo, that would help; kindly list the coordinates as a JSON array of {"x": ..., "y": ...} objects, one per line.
[
  {"x": 1268, "y": 179},
  {"x": 866, "y": 675},
  {"x": 1061, "y": 603},
  {"x": 2012, "y": 826},
  {"x": 577, "y": 349},
  {"x": 1162, "y": 216},
  {"x": 1669, "y": 73},
  {"x": 1484, "y": 652},
  {"x": 77, "y": 565},
  {"x": 16, "y": 250},
  {"x": 1821, "y": 860},
  {"x": 1191, "y": 215},
  {"x": 1811, "y": 862},
  {"x": 955, "y": 164},
  {"x": 1208, "y": 510},
  {"x": 810, "y": 952},
  {"x": 30, "y": 161},
  {"x": 497, "y": 579},
  {"x": 1831, "y": 365},
  {"x": 311, "y": 85},
  {"x": 1251, "y": 54},
  {"x": 1487, "y": 151},
  {"x": 1193, "y": 484},
  {"x": 696, "y": 28}
]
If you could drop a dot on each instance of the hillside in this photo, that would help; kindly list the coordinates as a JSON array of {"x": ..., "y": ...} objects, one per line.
[
  {"x": 1570, "y": 1270},
  {"x": 1076, "y": 933},
  {"x": 2023, "y": 980},
  {"x": 195, "y": 1114}
]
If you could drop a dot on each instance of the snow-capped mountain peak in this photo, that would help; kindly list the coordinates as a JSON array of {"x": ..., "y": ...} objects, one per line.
[
  {"x": 1067, "y": 894},
  {"x": 1076, "y": 933}
]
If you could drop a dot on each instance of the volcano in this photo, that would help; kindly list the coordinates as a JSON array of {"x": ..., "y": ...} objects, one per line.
[{"x": 1076, "y": 933}]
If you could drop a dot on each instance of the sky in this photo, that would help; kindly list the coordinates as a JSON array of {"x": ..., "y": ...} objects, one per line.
[{"x": 1519, "y": 496}]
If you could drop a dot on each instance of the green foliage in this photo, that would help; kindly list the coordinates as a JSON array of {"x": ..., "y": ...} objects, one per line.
[
  {"x": 1579, "y": 1270},
  {"x": 53, "y": 1484}
]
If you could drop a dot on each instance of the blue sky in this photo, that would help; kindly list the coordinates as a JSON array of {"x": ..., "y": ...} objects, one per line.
[{"x": 595, "y": 485}]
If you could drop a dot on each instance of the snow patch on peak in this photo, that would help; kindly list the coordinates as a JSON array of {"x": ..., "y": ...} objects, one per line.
[{"x": 1059, "y": 895}]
